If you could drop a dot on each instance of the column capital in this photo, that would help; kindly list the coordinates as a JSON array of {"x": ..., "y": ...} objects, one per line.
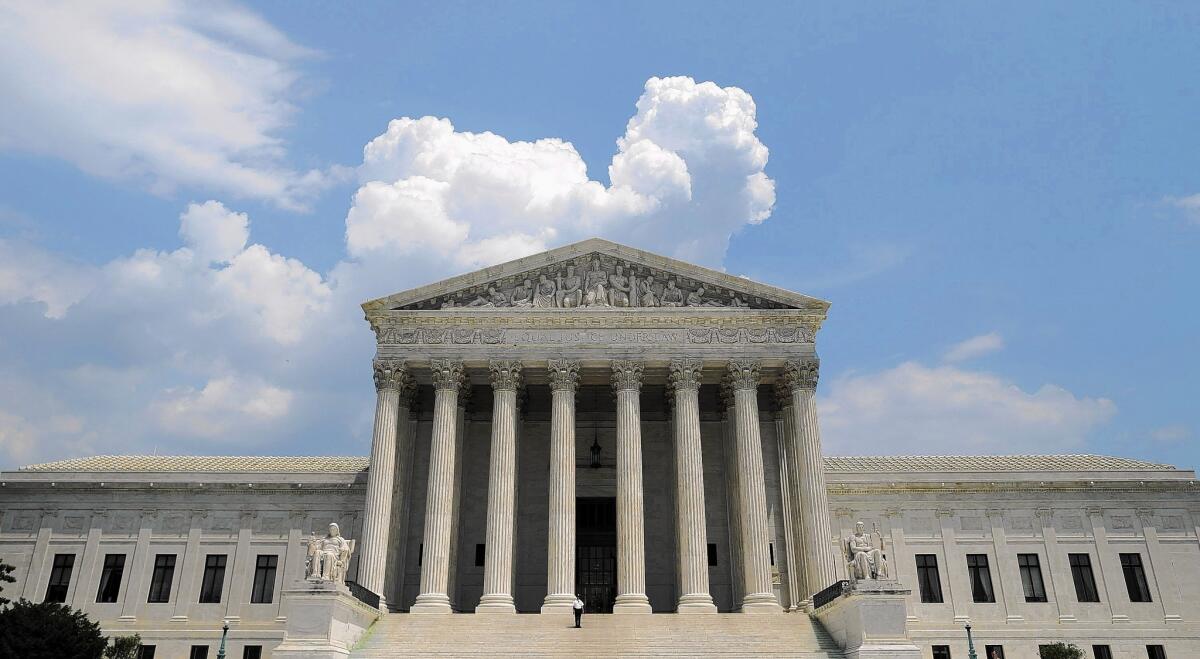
[
  {"x": 801, "y": 373},
  {"x": 742, "y": 374},
  {"x": 627, "y": 374},
  {"x": 391, "y": 374},
  {"x": 564, "y": 374},
  {"x": 447, "y": 374},
  {"x": 506, "y": 375},
  {"x": 685, "y": 374}
]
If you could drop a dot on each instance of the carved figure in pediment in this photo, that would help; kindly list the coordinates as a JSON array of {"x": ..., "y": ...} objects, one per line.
[
  {"x": 672, "y": 296},
  {"x": 646, "y": 295},
  {"x": 618, "y": 293},
  {"x": 738, "y": 302},
  {"x": 449, "y": 303},
  {"x": 595, "y": 286},
  {"x": 570, "y": 292},
  {"x": 492, "y": 298},
  {"x": 522, "y": 294},
  {"x": 543, "y": 293},
  {"x": 696, "y": 299}
]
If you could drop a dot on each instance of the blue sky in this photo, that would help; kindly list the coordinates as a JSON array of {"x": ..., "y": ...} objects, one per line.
[{"x": 1001, "y": 202}]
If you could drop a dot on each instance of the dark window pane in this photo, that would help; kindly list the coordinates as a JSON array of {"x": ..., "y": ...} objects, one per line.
[
  {"x": 981, "y": 578},
  {"x": 929, "y": 582},
  {"x": 480, "y": 554},
  {"x": 264, "y": 579},
  {"x": 198, "y": 652},
  {"x": 160, "y": 580},
  {"x": 712, "y": 554},
  {"x": 110, "y": 579},
  {"x": 1031, "y": 577},
  {"x": 1085, "y": 580},
  {"x": 214, "y": 579},
  {"x": 1135, "y": 578},
  {"x": 993, "y": 652},
  {"x": 252, "y": 652},
  {"x": 1101, "y": 652},
  {"x": 771, "y": 548},
  {"x": 60, "y": 578},
  {"x": 1156, "y": 652},
  {"x": 941, "y": 652},
  {"x": 145, "y": 652}
]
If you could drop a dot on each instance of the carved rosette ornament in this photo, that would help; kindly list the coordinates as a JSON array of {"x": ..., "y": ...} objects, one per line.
[
  {"x": 742, "y": 374},
  {"x": 564, "y": 374},
  {"x": 390, "y": 374},
  {"x": 685, "y": 374},
  {"x": 802, "y": 373},
  {"x": 506, "y": 375},
  {"x": 626, "y": 374},
  {"x": 447, "y": 374}
]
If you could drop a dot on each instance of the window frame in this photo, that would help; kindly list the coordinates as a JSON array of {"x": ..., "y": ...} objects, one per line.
[
  {"x": 162, "y": 578},
  {"x": 979, "y": 573},
  {"x": 1030, "y": 567},
  {"x": 58, "y": 585},
  {"x": 262, "y": 591},
  {"x": 1156, "y": 651},
  {"x": 941, "y": 652},
  {"x": 1103, "y": 651},
  {"x": 929, "y": 587},
  {"x": 1136, "y": 585},
  {"x": 110, "y": 578},
  {"x": 1083, "y": 575}
]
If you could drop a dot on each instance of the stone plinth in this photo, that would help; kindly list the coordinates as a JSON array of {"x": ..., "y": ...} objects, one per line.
[
  {"x": 869, "y": 621},
  {"x": 324, "y": 621}
]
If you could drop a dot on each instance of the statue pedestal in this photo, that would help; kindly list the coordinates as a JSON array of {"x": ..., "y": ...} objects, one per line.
[
  {"x": 324, "y": 621},
  {"x": 869, "y": 620}
]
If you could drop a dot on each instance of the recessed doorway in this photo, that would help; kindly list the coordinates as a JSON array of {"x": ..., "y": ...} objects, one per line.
[{"x": 596, "y": 552}]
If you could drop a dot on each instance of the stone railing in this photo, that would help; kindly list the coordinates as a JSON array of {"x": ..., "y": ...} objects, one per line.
[
  {"x": 362, "y": 594},
  {"x": 829, "y": 594}
]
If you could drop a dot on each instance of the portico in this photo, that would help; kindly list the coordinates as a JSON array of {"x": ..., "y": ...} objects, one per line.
[{"x": 702, "y": 349}]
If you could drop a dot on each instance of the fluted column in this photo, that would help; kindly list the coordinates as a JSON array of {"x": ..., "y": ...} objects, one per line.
[
  {"x": 789, "y": 484},
  {"x": 390, "y": 377},
  {"x": 800, "y": 376},
  {"x": 560, "y": 555},
  {"x": 439, "y": 509},
  {"x": 733, "y": 502},
  {"x": 691, "y": 535},
  {"x": 502, "y": 488},
  {"x": 631, "y": 534},
  {"x": 742, "y": 378}
]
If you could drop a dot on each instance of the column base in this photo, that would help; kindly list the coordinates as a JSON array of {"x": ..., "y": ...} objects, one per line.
[
  {"x": 761, "y": 603},
  {"x": 431, "y": 603},
  {"x": 559, "y": 603},
  {"x": 632, "y": 603},
  {"x": 497, "y": 603},
  {"x": 696, "y": 603}
]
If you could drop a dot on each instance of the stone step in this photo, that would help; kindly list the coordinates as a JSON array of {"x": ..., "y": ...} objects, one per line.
[{"x": 663, "y": 635}]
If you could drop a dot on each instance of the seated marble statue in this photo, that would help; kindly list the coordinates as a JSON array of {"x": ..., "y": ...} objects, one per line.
[
  {"x": 864, "y": 559},
  {"x": 522, "y": 295},
  {"x": 328, "y": 557},
  {"x": 646, "y": 296},
  {"x": 618, "y": 291},
  {"x": 543, "y": 293},
  {"x": 671, "y": 296},
  {"x": 570, "y": 293}
]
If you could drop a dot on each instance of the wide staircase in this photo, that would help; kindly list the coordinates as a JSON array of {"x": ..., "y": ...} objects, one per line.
[{"x": 660, "y": 635}]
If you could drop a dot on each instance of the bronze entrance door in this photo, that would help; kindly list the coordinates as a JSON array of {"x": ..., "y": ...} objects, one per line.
[{"x": 596, "y": 553}]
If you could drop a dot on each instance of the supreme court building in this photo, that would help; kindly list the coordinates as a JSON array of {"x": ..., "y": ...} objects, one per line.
[{"x": 603, "y": 421}]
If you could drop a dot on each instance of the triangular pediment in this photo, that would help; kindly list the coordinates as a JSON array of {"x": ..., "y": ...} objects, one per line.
[{"x": 594, "y": 274}]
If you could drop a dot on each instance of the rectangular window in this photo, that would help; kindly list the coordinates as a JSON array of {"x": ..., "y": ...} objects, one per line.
[
  {"x": 1085, "y": 580},
  {"x": 1031, "y": 577},
  {"x": 160, "y": 580},
  {"x": 145, "y": 652},
  {"x": 60, "y": 578},
  {"x": 928, "y": 580},
  {"x": 214, "y": 579},
  {"x": 110, "y": 578},
  {"x": 981, "y": 578},
  {"x": 941, "y": 652},
  {"x": 480, "y": 554},
  {"x": 993, "y": 652},
  {"x": 712, "y": 554},
  {"x": 198, "y": 652},
  {"x": 1156, "y": 652},
  {"x": 771, "y": 548},
  {"x": 1135, "y": 578},
  {"x": 1101, "y": 652},
  {"x": 264, "y": 579},
  {"x": 252, "y": 652}
]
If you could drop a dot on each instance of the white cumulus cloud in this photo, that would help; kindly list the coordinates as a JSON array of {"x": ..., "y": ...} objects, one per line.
[
  {"x": 917, "y": 409},
  {"x": 976, "y": 346},
  {"x": 214, "y": 232},
  {"x": 221, "y": 405},
  {"x": 164, "y": 93}
]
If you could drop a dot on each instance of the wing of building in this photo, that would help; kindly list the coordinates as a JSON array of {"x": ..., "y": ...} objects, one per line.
[{"x": 602, "y": 422}]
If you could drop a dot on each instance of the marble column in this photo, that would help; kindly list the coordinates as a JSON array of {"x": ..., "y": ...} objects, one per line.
[
  {"x": 742, "y": 378},
  {"x": 691, "y": 534},
  {"x": 460, "y": 435},
  {"x": 390, "y": 377},
  {"x": 560, "y": 555},
  {"x": 631, "y": 534},
  {"x": 439, "y": 514},
  {"x": 502, "y": 489},
  {"x": 733, "y": 503},
  {"x": 800, "y": 376},
  {"x": 790, "y": 486}
]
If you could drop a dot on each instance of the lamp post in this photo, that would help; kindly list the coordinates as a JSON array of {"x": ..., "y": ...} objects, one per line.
[
  {"x": 224, "y": 633},
  {"x": 970, "y": 644}
]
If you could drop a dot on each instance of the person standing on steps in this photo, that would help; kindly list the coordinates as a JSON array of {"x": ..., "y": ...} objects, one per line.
[{"x": 578, "y": 606}]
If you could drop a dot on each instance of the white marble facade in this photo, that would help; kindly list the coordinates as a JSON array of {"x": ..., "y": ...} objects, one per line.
[{"x": 491, "y": 398}]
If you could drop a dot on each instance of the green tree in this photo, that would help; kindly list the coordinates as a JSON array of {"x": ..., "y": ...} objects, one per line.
[
  {"x": 123, "y": 647},
  {"x": 48, "y": 631},
  {"x": 5, "y": 577},
  {"x": 1060, "y": 651}
]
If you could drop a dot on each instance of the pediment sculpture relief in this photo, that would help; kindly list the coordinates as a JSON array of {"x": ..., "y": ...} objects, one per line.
[{"x": 593, "y": 282}]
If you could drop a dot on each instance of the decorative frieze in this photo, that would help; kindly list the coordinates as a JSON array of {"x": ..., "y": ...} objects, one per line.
[{"x": 388, "y": 334}]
